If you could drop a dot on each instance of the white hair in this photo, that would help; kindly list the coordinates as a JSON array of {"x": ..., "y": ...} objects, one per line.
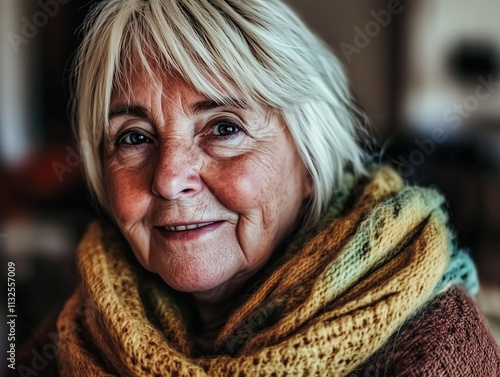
[{"x": 255, "y": 49}]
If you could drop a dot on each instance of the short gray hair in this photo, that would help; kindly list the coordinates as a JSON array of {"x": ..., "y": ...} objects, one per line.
[{"x": 255, "y": 50}]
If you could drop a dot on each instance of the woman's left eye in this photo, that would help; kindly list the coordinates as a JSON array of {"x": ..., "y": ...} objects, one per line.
[
  {"x": 225, "y": 129},
  {"x": 133, "y": 138}
]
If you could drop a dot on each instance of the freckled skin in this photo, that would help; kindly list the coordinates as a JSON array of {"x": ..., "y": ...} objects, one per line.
[{"x": 253, "y": 181}]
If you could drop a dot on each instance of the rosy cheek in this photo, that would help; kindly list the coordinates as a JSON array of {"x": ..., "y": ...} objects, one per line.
[
  {"x": 236, "y": 182},
  {"x": 128, "y": 192}
]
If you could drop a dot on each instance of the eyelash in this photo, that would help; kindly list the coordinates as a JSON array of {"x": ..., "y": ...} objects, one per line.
[
  {"x": 236, "y": 133},
  {"x": 119, "y": 140},
  {"x": 211, "y": 134}
]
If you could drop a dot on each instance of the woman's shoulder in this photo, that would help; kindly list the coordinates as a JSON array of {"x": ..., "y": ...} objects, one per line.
[{"x": 449, "y": 337}]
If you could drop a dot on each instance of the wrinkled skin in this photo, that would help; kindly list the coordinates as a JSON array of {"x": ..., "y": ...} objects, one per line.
[{"x": 175, "y": 158}]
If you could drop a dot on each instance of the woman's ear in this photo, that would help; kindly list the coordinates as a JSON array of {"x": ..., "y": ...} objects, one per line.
[{"x": 308, "y": 186}]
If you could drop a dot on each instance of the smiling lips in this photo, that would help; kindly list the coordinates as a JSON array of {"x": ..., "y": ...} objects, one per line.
[{"x": 182, "y": 228}]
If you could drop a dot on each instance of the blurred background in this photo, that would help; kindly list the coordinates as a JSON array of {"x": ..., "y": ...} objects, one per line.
[{"x": 426, "y": 72}]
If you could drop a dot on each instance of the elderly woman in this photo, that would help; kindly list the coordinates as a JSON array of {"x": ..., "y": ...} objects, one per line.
[{"x": 246, "y": 235}]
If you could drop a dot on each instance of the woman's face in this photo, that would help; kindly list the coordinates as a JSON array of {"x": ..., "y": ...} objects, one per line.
[{"x": 202, "y": 192}]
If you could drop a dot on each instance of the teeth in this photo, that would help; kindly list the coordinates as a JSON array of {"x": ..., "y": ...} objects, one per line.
[{"x": 182, "y": 228}]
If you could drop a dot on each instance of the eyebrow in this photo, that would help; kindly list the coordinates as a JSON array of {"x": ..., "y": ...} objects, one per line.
[
  {"x": 207, "y": 105},
  {"x": 130, "y": 109},
  {"x": 197, "y": 108}
]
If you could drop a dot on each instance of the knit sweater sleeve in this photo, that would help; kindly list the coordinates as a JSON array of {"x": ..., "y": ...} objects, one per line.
[{"x": 449, "y": 338}]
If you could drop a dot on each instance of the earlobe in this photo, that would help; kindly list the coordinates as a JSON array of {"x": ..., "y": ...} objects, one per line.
[{"x": 308, "y": 186}]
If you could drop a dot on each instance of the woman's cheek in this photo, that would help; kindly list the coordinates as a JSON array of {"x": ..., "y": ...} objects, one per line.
[
  {"x": 237, "y": 182},
  {"x": 129, "y": 193}
]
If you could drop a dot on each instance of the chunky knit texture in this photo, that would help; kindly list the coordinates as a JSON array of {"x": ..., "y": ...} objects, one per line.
[
  {"x": 449, "y": 339},
  {"x": 330, "y": 302}
]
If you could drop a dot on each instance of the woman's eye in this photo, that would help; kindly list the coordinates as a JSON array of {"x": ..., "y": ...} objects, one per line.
[
  {"x": 226, "y": 129},
  {"x": 133, "y": 138}
]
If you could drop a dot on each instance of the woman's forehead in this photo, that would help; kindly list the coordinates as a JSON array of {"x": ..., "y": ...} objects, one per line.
[
  {"x": 141, "y": 83},
  {"x": 144, "y": 84},
  {"x": 147, "y": 66},
  {"x": 137, "y": 75}
]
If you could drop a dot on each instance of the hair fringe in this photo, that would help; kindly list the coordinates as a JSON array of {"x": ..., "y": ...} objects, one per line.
[{"x": 257, "y": 51}]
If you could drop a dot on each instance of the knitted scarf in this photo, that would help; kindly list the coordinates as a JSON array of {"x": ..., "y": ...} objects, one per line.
[{"x": 333, "y": 297}]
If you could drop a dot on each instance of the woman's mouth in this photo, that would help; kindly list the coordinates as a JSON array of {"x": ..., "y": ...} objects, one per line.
[
  {"x": 182, "y": 228},
  {"x": 188, "y": 232}
]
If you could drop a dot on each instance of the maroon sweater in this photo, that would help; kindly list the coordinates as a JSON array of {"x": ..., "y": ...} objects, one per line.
[{"x": 448, "y": 338}]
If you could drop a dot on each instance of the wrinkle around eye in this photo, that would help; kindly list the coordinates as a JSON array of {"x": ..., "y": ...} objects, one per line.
[
  {"x": 121, "y": 123},
  {"x": 134, "y": 156},
  {"x": 130, "y": 158},
  {"x": 237, "y": 128},
  {"x": 130, "y": 134}
]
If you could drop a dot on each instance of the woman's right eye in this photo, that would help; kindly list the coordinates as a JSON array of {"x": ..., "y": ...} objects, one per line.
[{"x": 133, "y": 138}]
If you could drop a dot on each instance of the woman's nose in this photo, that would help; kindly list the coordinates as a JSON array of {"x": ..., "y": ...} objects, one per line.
[{"x": 176, "y": 172}]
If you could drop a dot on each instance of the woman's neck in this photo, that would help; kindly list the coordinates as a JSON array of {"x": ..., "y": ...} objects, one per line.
[
  {"x": 216, "y": 305},
  {"x": 214, "y": 308},
  {"x": 211, "y": 316}
]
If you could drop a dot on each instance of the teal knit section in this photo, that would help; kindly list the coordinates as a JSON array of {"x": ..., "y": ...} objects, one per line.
[
  {"x": 378, "y": 238},
  {"x": 460, "y": 271}
]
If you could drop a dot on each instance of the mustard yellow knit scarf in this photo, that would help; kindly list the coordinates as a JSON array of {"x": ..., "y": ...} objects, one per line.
[{"x": 330, "y": 301}]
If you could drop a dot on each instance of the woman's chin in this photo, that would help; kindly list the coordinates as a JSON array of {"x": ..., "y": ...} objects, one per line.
[{"x": 193, "y": 280}]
